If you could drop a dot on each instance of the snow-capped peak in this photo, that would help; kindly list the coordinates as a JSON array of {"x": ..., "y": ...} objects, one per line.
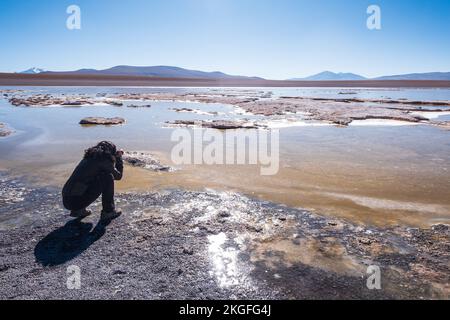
[{"x": 33, "y": 70}]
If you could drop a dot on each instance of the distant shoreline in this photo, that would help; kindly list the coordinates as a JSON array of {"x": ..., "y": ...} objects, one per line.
[{"x": 61, "y": 79}]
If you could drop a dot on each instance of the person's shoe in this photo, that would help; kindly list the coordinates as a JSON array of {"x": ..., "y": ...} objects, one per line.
[
  {"x": 110, "y": 215},
  {"x": 80, "y": 214}
]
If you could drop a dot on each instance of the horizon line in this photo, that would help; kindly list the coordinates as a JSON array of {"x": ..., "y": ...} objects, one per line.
[{"x": 231, "y": 73}]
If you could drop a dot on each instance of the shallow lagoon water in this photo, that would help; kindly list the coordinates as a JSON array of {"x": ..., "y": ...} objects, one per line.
[{"x": 379, "y": 174}]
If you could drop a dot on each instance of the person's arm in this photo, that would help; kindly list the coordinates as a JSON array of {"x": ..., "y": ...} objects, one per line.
[{"x": 116, "y": 169}]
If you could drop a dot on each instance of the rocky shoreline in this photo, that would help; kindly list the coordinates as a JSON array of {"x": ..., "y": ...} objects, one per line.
[
  {"x": 341, "y": 112},
  {"x": 178, "y": 244}
]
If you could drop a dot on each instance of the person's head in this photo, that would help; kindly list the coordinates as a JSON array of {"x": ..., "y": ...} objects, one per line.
[{"x": 103, "y": 150}]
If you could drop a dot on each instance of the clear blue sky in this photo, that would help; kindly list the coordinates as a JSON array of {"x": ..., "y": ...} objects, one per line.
[{"x": 275, "y": 39}]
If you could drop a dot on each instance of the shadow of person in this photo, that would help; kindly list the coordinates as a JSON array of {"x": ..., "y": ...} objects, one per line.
[{"x": 68, "y": 241}]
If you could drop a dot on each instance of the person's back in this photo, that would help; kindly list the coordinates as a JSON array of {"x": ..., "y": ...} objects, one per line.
[
  {"x": 86, "y": 172},
  {"x": 94, "y": 176}
]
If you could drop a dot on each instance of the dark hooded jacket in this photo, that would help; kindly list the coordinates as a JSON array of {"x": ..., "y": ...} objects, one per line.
[{"x": 88, "y": 171}]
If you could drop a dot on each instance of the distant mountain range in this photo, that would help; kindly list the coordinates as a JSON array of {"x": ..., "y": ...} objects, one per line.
[
  {"x": 176, "y": 72},
  {"x": 153, "y": 71},
  {"x": 418, "y": 76},
  {"x": 332, "y": 76}
]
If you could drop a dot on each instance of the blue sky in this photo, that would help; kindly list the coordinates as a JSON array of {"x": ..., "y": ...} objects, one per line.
[{"x": 275, "y": 39}]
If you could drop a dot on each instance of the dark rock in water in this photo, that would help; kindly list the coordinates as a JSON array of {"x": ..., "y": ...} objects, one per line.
[
  {"x": 114, "y": 103},
  {"x": 210, "y": 113},
  {"x": 182, "y": 109},
  {"x": 4, "y": 132},
  {"x": 139, "y": 106},
  {"x": 72, "y": 103},
  {"x": 145, "y": 160},
  {"x": 341, "y": 121},
  {"x": 102, "y": 121},
  {"x": 217, "y": 124},
  {"x": 420, "y": 118}
]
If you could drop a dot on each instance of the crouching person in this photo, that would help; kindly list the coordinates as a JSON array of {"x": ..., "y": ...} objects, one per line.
[{"x": 94, "y": 176}]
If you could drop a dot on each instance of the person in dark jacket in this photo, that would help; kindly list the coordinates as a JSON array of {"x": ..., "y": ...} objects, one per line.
[{"x": 94, "y": 176}]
